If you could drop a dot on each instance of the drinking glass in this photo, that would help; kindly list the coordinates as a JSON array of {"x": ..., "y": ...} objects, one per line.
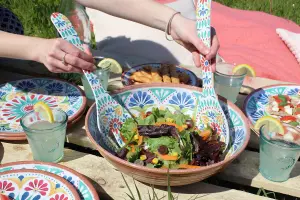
[
  {"x": 77, "y": 15},
  {"x": 277, "y": 156},
  {"x": 46, "y": 139},
  {"x": 103, "y": 75},
  {"x": 226, "y": 83}
]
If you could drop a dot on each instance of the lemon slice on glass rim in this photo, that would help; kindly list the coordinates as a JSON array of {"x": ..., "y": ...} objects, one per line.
[
  {"x": 270, "y": 121},
  {"x": 244, "y": 68},
  {"x": 112, "y": 64},
  {"x": 44, "y": 110}
]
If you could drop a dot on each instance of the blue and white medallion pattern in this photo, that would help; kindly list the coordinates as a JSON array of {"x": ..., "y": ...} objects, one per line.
[{"x": 255, "y": 106}]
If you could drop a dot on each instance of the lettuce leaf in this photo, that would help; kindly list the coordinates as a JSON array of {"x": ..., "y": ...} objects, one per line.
[
  {"x": 187, "y": 151},
  {"x": 170, "y": 142},
  {"x": 150, "y": 120},
  {"x": 128, "y": 129}
]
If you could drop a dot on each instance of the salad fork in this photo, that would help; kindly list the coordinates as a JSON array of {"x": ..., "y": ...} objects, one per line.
[
  {"x": 104, "y": 102},
  {"x": 208, "y": 103}
]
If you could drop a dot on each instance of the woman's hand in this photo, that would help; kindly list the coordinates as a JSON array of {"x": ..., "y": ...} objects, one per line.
[
  {"x": 60, "y": 56},
  {"x": 184, "y": 32}
]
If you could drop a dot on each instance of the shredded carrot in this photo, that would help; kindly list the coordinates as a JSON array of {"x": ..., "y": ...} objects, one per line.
[
  {"x": 186, "y": 166},
  {"x": 123, "y": 138},
  {"x": 205, "y": 134},
  {"x": 167, "y": 157},
  {"x": 140, "y": 140},
  {"x": 143, "y": 115},
  {"x": 132, "y": 148}
]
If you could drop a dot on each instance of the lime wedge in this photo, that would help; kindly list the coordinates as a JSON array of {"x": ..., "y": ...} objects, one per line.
[
  {"x": 113, "y": 65},
  {"x": 244, "y": 68},
  {"x": 44, "y": 110}
]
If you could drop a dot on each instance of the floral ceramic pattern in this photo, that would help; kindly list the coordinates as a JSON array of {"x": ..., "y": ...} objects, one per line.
[
  {"x": 103, "y": 100},
  {"x": 25, "y": 185},
  {"x": 255, "y": 104},
  {"x": 206, "y": 102},
  {"x": 235, "y": 138},
  {"x": 17, "y": 98},
  {"x": 85, "y": 192},
  {"x": 125, "y": 76}
]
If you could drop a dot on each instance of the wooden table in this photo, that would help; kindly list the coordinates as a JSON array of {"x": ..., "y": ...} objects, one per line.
[{"x": 241, "y": 180}]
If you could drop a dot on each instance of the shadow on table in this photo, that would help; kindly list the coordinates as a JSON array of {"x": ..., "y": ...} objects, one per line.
[
  {"x": 196, "y": 190},
  {"x": 1, "y": 151},
  {"x": 101, "y": 192},
  {"x": 70, "y": 155},
  {"x": 137, "y": 52}
]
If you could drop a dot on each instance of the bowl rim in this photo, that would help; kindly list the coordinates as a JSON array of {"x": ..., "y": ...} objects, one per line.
[
  {"x": 257, "y": 90},
  {"x": 114, "y": 158},
  {"x": 156, "y": 63}
]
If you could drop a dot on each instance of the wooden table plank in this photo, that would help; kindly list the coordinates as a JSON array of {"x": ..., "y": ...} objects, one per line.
[
  {"x": 108, "y": 181},
  {"x": 244, "y": 170}
]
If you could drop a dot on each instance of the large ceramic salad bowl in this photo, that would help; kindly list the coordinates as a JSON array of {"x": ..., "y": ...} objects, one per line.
[{"x": 141, "y": 98}]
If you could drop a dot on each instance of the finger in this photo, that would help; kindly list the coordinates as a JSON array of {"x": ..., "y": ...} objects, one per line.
[
  {"x": 214, "y": 48},
  {"x": 57, "y": 70},
  {"x": 71, "y": 49},
  {"x": 87, "y": 49},
  {"x": 58, "y": 54},
  {"x": 196, "y": 58},
  {"x": 213, "y": 64},
  {"x": 201, "y": 47},
  {"x": 79, "y": 63},
  {"x": 67, "y": 68}
]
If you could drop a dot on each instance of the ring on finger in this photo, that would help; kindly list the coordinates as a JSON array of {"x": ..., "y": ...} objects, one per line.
[{"x": 63, "y": 59}]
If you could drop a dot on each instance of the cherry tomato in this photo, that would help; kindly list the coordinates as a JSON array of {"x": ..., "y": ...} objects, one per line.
[
  {"x": 277, "y": 99},
  {"x": 288, "y": 118}
]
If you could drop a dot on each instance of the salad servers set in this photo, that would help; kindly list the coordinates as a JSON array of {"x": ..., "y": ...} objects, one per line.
[{"x": 207, "y": 101}]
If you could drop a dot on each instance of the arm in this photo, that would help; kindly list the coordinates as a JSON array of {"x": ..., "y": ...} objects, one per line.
[
  {"x": 17, "y": 46},
  {"x": 156, "y": 15},
  {"x": 147, "y": 12},
  {"x": 50, "y": 52}
]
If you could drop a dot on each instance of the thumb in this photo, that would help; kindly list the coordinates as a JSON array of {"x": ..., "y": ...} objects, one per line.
[{"x": 87, "y": 49}]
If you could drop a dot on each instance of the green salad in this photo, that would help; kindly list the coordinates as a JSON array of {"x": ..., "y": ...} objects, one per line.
[{"x": 162, "y": 139}]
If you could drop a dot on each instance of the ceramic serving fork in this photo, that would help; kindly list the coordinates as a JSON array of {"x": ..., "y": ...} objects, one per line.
[
  {"x": 110, "y": 114},
  {"x": 209, "y": 104}
]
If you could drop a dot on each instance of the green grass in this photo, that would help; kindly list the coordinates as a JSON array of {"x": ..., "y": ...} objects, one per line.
[
  {"x": 283, "y": 8},
  {"x": 34, "y": 15}
]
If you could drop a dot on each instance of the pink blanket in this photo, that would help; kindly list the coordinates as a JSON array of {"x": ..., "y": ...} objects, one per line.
[{"x": 250, "y": 37}]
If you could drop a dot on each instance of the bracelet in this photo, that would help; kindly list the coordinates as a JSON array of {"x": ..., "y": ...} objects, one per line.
[{"x": 168, "y": 27}]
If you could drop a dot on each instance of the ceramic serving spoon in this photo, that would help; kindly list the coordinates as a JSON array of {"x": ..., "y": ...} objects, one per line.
[
  {"x": 209, "y": 103},
  {"x": 110, "y": 114}
]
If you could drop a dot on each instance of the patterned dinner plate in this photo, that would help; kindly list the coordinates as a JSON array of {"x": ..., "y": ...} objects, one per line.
[
  {"x": 256, "y": 103},
  {"x": 33, "y": 185},
  {"x": 126, "y": 75},
  {"x": 17, "y": 98},
  {"x": 84, "y": 188}
]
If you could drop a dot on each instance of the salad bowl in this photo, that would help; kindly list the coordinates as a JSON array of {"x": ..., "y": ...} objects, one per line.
[{"x": 139, "y": 99}]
